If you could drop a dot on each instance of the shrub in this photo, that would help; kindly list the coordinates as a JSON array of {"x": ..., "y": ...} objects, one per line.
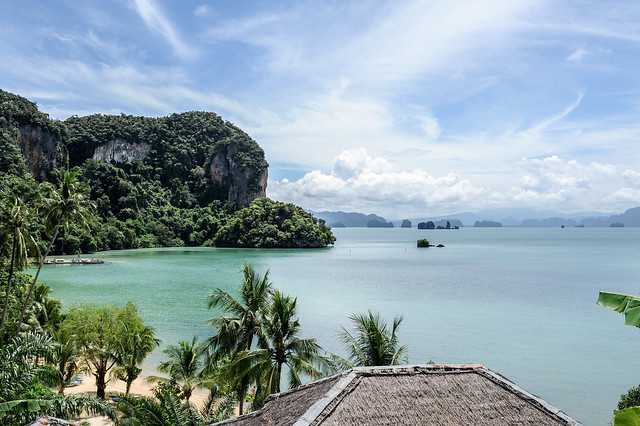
[
  {"x": 630, "y": 399},
  {"x": 423, "y": 243}
]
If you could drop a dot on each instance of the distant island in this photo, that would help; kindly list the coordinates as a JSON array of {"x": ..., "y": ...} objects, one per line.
[
  {"x": 444, "y": 224},
  {"x": 406, "y": 223},
  {"x": 487, "y": 224},
  {"x": 188, "y": 179},
  {"x": 339, "y": 219}
]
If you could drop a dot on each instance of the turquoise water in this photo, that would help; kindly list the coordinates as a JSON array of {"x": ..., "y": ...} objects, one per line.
[{"x": 520, "y": 301}]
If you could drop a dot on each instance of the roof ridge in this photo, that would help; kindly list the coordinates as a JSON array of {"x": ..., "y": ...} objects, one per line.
[
  {"x": 319, "y": 406},
  {"x": 530, "y": 398}
]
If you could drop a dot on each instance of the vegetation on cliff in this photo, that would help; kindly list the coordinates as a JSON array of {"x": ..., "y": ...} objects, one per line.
[
  {"x": 273, "y": 224},
  {"x": 180, "y": 180}
]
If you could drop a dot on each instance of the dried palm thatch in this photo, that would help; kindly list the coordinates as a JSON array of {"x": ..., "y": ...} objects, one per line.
[{"x": 434, "y": 394}]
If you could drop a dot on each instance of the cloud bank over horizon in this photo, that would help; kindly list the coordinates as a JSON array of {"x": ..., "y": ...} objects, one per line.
[{"x": 425, "y": 107}]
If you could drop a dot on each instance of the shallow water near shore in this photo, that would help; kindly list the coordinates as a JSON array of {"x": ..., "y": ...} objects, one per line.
[{"x": 519, "y": 300}]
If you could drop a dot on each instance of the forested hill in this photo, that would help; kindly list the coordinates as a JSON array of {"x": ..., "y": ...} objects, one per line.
[{"x": 166, "y": 181}]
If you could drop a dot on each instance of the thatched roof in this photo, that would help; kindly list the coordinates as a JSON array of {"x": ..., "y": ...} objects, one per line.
[{"x": 434, "y": 394}]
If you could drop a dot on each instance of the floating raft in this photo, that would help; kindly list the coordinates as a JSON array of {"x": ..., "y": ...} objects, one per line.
[{"x": 74, "y": 261}]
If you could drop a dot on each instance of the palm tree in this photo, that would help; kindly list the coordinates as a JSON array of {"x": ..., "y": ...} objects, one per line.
[
  {"x": 138, "y": 342},
  {"x": 66, "y": 205},
  {"x": 15, "y": 226},
  {"x": 240, "y": 324},
  {"x": 19, "y": 370},
  {"x": 373, "y": 342},
  {"x": 166, "y": 408},
  {"x": 183, "y": 365},
  {"x": 64, "y": 357},
  {"x": 279, "y": 345}
]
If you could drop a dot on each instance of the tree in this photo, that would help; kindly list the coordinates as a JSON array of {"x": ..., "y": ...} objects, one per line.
[
  {"x": 16, "y": 227},
  {"x": 372, "y": 342},
  {"x": 137, "y": 342},
  {"x": 183, "y": 365},
  {"x": 64, "y": 357},
  {"x": 237, "y": 329},
  {"x": 63, "y": 206},
  {"x": 101, "y": 333},
  {"x": 629, "y": 306},
  {"x": 166, "y": 408},
  {"x": 19, "y": 372},
  {"x": 279, "y": 345}
]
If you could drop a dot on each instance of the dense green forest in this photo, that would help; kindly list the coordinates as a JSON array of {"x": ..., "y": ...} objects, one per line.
[{"x": 187, "y": 179}]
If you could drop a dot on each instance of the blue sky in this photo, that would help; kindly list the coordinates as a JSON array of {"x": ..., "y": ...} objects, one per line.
[{"x": 399, "y": 108}]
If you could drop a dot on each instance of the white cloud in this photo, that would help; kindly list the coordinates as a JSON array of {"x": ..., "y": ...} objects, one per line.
[
  {"x": 632, "y": 178},
  {"x": 577, "y": 55},
  {"x": 431, "y": 127},
  {"x": 155, "y": 19},
  {"x": 363, "y": 182},
  {"x": 202, "y": 10},
  {"x": 360, "y": 181}
]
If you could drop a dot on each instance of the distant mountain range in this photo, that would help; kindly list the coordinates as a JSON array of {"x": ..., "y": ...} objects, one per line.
[
  {"x": 506, "y": 217},
  {"x": 353, "y": 220}
]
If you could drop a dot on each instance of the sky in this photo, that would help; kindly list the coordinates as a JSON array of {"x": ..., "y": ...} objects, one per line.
[{"x": 402, "y": 108}]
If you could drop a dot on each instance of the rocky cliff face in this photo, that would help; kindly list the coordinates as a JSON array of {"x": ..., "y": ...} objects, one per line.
[
  {"x": 242, "y": 184},
  {"x": 39, "y": 148},
  {"x": 121, "y": 151}
]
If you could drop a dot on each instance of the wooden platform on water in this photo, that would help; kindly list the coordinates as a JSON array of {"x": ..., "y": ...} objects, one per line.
[{"x": 73, "y": 261}]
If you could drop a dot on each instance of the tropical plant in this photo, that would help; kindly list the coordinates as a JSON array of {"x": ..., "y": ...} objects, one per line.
[
  {"x": 64, "y": 358},
  {"x": 372, "y": 342},
  {"x": 183, "y": 365},
  {"x": 630, "y": 399},
  {"x": 624, "y": 304},
  {"x": 240, "y": 324},
  {"x": 137, "y": 342},
  {"x": 19, "y": 376},
  {"x": 279, "y": 345},
  {"x": 63, "y": 206},
  {"x": 628, "y": 305},
  {"x": 167, "y": 408},
  {"x": 16, "y": 229},
  {"x": 101, "y": 333}
]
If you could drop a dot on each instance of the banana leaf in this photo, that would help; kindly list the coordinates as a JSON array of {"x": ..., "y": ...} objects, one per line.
[
  {"x": 624, "y": 304},
  {"x": 627, "y": 417}
]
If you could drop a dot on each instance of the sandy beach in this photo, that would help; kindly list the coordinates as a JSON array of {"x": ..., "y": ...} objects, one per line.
[{"x": 138, "y": 387}]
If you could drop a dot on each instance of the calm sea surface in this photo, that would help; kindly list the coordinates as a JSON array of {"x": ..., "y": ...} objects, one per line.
[{"x": 520, "y": 301}]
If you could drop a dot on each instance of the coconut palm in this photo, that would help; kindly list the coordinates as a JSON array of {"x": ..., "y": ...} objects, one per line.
[
  {"x": 138, "y": 342},
  {"x": 64, "y": 357},
  {"x": 63, "y": 206},
  {"x": 372, "y": 342},
  {"x": 279, "y": 345},
  {"x": 240, "y": 324},
  {"x": 15, "y": 230},
  {"x": 19, "y": 370},
  {"x": 166, "y": 408},
  {"x": 183, "y": 365}
]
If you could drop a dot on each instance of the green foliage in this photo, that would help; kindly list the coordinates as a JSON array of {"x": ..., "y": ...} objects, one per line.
[
  {"x": 180, "y": 147},
  {"x": 166, "y": 408},
  {"x": 103, "y": 337},
  {"x": 279, "y": 345},
  {"x": 172, "y": 181},
  {"x": 373, "y": 342},
  {"x": 240, "y": 323},
  {"x": 625, "y": 304},
  {"x": 272, "y": 224},
  {"x": 23, "y": 397},
  {"x": 423, "y": 243},
  {"x": 184, "y": 366},
  {"x": 630, "y": 399},
  {"x": 627, "y": 417}
]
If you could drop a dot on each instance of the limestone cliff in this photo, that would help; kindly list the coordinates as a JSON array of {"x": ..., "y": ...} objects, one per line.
[{"x": 196, "y": 152}]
